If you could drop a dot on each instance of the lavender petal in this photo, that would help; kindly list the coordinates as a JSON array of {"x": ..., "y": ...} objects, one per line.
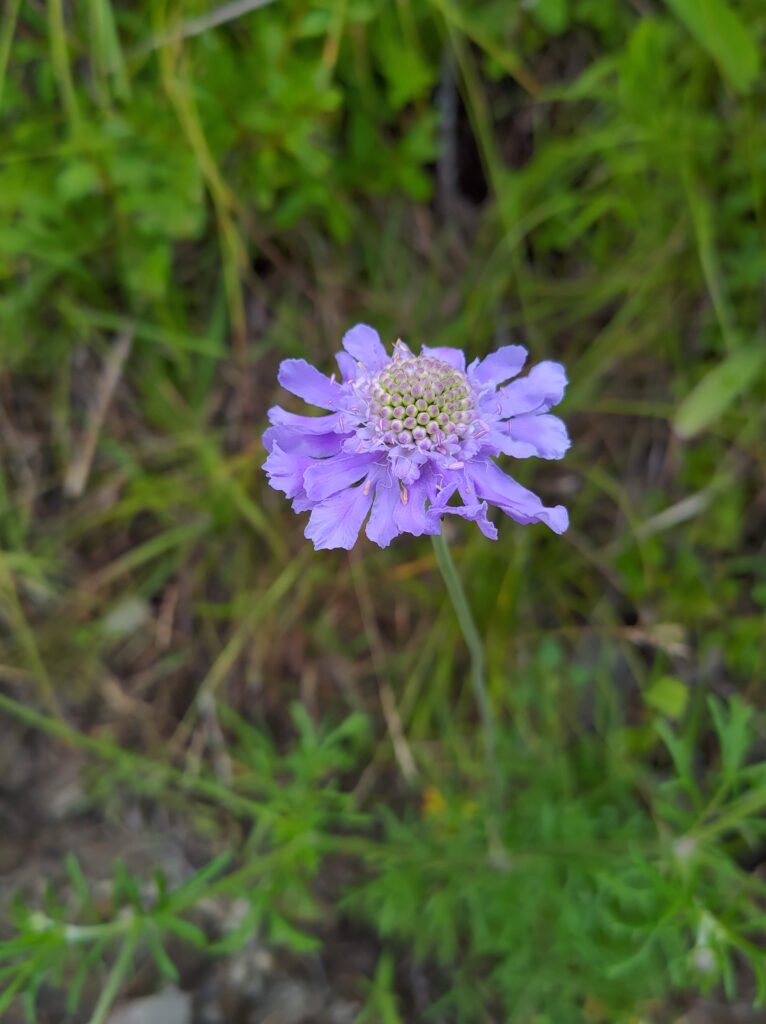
[
  {"x": 496, "y": 487},
  {"x": 544, "y": 436},
  {"x": 285, "y": 471},
  {"x": 318, "y": 445},
  {"x": 455, "y": 357},
  {"x": 500, "y": 366},
  {"x": 328, "y": 476},
  {"x": 411, "y": 515},
  {"x": 334, "y": 423},
  {"x": 381, "y": 528},
  {"x": 336, "y": 521},
  {"x": 542, "y": 388},
  {"x": 305, "y": 381},
  {"x": 364, "y": 344}
]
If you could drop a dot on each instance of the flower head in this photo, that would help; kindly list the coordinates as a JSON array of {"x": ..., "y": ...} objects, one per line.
[{"x": 411, "y": 438}]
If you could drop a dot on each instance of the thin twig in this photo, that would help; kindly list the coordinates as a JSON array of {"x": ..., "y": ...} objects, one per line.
[
  {"x": 78, "y": 471},
  {"x": 196, "y": 26},
  {"x": 216, "y": 740},
  {"x": 25, "y": 635}
]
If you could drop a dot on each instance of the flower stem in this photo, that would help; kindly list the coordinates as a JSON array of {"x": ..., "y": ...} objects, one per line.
[{"x": 475, "y": 647}]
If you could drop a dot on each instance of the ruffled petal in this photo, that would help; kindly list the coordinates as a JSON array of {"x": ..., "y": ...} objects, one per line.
[
  {"x": 545, "y": 434},
  {"x": 381, "y": 527},
  {"x": 472, "y": 509},
  {"x": 347, "y": 365},
  {"x": 410, "y": 513},
  {"x": 474, "y": 513},
  {"x": 500, "y": 366},
  {"x": 302, "y": 504},
  {"x": 364, "y": 344},
  {"x": 285, "y": 471},
  {"x": 280, "y": 417},
  {"x": 543, "y": 387},
  {"x": 305, "y": 381},
  {"x": 454, "y": 356},
  {"x": 318, "y": 445},
  {"x": 524, "y": 436},
  {"x": 516, "y": 501},
  {"x": 327, "y": 476},
  {"x": 500, "y": 439},
  {"x": 336, "y": 522}
]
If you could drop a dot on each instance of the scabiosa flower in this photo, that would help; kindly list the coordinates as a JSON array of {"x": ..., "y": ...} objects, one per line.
[{"x": 409, "y": 439}]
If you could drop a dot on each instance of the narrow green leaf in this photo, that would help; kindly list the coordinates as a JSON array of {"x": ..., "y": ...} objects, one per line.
[
  {"x": 733, "y": 724},
  {"x": 77, "y": 878},
  {"x": 718, "y": 390},
  {"x": 165, "y": 965},
  {"x": 721, "y": 31},
  {"x": 185, "y": 930}
]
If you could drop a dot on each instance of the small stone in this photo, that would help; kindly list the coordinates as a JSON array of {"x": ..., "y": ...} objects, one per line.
[
  {"x": 290, "y": 1002},
  {"x": 171, "y": 1006}
]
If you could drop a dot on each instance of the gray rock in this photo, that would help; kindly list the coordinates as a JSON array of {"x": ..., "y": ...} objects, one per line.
[
  {"x": 171, "y": 1006},
  {"x": 290, "y": 1002}
]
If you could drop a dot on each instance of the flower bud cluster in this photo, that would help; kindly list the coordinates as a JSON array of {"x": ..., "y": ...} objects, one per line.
[{"x": 421, "y": 402}]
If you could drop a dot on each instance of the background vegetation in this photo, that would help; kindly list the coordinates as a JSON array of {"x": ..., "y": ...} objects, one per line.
[{"x": 216, "y": 741}]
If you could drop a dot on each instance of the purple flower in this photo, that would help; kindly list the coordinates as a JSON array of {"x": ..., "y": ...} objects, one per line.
[{"x": 409, "y": 439}]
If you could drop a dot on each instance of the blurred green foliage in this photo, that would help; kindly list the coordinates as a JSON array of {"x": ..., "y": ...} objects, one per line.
[{"x": 586, "y": 176}]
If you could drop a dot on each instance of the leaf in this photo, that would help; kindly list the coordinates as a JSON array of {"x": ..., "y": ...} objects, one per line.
[
  {"x": 78, "y": 179},
  {"x": 648, "y": 74},
  {"x": 165, "y": 965},
  {"x": 551, "y": 15},
  {"x": 77, "y": 878},
  {"x": 109, "y": 58},
  {"x": 733, "y": 724},
  {"x": 721, "y": 31},
  {"x": 193, "y": 890},
  {"x": 185, "y": 930},
  {"x": 669, "y": 696},
  {"x": 283, "y": 933},
  {"x": 680, "y": 749},
  {"x": 718, "y": 389}
]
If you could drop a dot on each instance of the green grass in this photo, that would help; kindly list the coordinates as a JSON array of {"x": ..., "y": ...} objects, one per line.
[{"x": 182, "y": 205}]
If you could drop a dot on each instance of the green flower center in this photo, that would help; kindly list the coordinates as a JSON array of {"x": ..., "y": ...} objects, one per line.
[{"x": 422, "y": 402}]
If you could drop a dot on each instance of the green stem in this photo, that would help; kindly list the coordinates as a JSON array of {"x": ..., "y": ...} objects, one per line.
[
  {"x": 117, "y": 975},
  {"x": 6, "y": 40},
  {"x": 60, "y": 61},
  {"x": 475, "y": 647}
]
